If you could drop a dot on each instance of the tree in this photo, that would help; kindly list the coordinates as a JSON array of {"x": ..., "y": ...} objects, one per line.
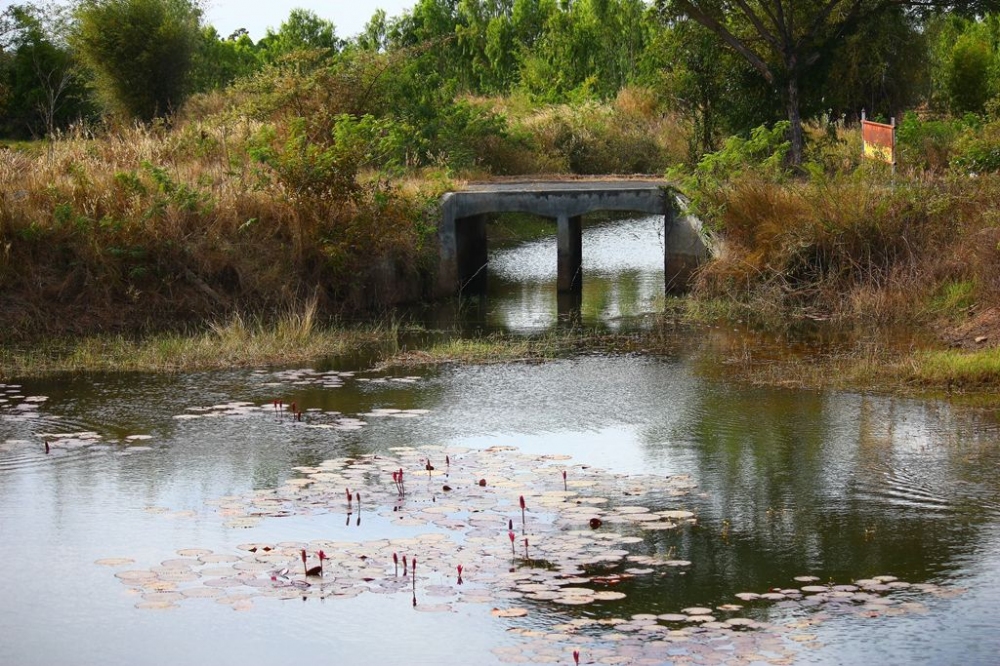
[
  {"x": 883, "y": 68},
  {"x": 43, "y": 89},
  {"x": 716, "y": 91},
  {"x": 218, "y": 62},
  {"x": 375, "y": 37},
  {"x": 786, "y": 41},
  {"x": 140, "y": 52},
  {"x": 969, "y": 74},
  {"x": 302, "y": 30}
]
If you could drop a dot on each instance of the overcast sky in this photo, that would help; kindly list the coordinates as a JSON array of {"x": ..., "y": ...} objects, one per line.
[{"x": 350, "y": 16}]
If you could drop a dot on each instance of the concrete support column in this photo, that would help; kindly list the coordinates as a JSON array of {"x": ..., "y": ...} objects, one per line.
[
  {"x": 569, "y": 309},
  {"x": 569, "y": 233},
  {"x": 684, "y": 250},
  {"x": 470, "y": 233},
  {"x": 447, "y": 277}
]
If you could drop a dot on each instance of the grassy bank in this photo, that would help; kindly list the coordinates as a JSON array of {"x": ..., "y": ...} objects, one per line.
[
  {"x": 293, "y": 339},
  {"x": 243, "y": 209},
  {"x": 145, "y": 230}
]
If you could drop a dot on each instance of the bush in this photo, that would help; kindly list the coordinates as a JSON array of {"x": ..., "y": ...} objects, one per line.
[
  {"x": 928, "y": 144},
  {"x": 602, "y": 139},
  {"x": 979, "y": 151}
]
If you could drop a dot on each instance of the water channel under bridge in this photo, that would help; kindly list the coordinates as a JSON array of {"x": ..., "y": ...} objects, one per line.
[{"x": 462, "y": 233}]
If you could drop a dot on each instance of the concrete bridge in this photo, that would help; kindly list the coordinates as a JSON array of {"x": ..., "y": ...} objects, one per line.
[{"x": 462, "y": 234}]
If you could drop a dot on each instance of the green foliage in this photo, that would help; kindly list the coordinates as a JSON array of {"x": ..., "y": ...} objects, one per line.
[
  {"x": 928, "y": 143},
  {"x": 969, "y": 85},
  {"x": 765, "y": 152},
  {"x": 41, "y": 90},
  {"x": 977, "y": 150},
  {"x": 303, "y": 30},
  {"x": 218, "y": 62},
  {"x": 140, "y": 53},
  {"x": 307, "y": 168},
  {"x": 882, "y": 67},
  {"x": 684, "y": 64},
  {"x": 954, "y": 298},
  {"x": 170, "y": 193}
]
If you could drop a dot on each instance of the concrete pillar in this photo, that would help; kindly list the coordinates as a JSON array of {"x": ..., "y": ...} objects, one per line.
[
  {"x": 569, "y": 233},
  {"x": 470, "y": 233},
  {"x": 569, "y": 309},
  {"x": 684, "y": 250},
  {"x": 447, "y": 277}
]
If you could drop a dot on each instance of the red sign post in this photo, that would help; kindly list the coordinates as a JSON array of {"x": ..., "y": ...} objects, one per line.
[{"x": 879, "y": 140}]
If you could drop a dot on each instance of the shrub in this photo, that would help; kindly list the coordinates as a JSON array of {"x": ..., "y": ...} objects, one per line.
[
  {"x": 978, "y": 151},
  {"x": 928, "y": 143}
]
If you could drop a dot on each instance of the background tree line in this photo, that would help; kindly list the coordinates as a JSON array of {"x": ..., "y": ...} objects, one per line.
[{"x": 727, "y": 68}]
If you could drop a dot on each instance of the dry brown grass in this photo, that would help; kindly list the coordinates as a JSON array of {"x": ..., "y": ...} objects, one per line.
[
  {"x": 853, "y": 246},
  {"x": 150, "y": 228},
  {"x": 630, "y": 135}
]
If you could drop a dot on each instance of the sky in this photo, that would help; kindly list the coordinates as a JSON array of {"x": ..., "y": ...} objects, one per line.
[{"x": 349, "y": 16}]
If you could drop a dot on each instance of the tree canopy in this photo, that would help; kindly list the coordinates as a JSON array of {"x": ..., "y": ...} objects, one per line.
[
  {"x": 786, "y": 42},
  {"x": 140, "y": 52}
]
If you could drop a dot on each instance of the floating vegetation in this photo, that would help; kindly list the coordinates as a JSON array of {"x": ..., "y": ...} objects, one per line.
[
  {"x": 295, "y": 414},
  {"x": 15, "y": 406},
  {"x": 557, "y": 560}
]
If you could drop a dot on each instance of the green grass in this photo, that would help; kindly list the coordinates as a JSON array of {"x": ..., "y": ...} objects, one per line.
[
  {"x": 494, "y": 348},
  {"x": 955, "y": 369},
  {"x": 954, "y": 298}
]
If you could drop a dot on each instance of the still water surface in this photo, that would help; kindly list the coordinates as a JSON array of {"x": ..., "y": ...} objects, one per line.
[{"x": 835, "y": 485}]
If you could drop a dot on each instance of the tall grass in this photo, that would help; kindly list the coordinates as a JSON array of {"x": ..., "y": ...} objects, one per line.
[
  {"x": 148, "y": 228},
  {"x": 858, "y": 246},
  {"x": 238, "y": 341},
  {"x": 955, "y": 369},
  {"x": 494, "y": 348}
]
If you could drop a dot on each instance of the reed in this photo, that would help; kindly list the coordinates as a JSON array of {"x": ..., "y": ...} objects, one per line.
[{"x": 234, "y": 342}]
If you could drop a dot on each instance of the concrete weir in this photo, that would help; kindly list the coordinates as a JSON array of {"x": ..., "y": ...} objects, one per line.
[{"x": 462, "y": 234}]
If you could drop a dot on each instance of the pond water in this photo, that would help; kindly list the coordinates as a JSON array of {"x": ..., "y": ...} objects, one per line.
[{"x": 150, "y": 531}]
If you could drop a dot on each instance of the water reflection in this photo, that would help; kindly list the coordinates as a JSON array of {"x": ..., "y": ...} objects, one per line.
[
  {"x": 790, "y": 482},
  {"x": 622, "y": 278}
]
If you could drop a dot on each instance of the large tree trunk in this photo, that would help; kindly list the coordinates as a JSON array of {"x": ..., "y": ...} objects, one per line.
[{"x": 795, "y": 118}]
